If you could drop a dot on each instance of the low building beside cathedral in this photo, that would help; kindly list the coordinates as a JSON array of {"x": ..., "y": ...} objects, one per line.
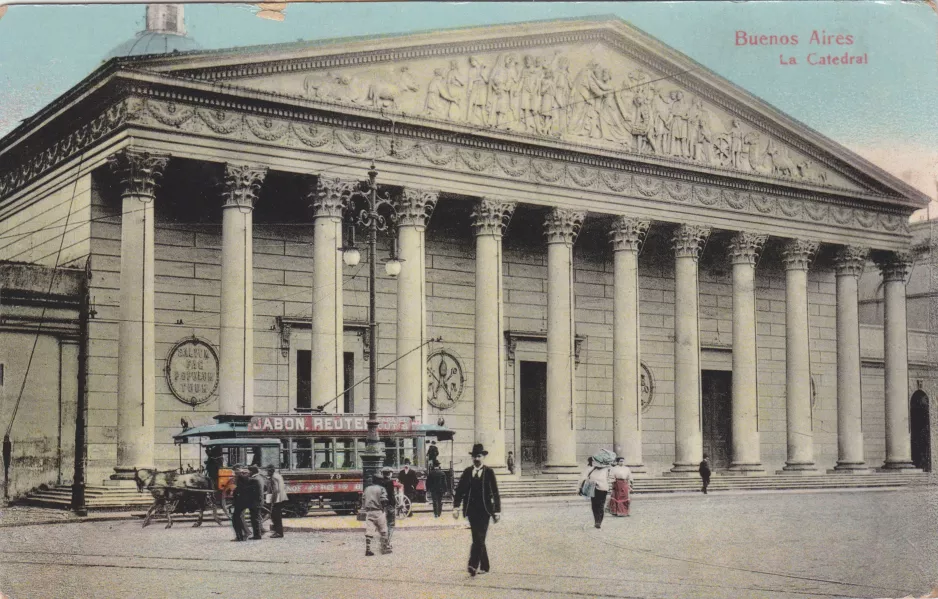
[{"x": 603, "y": 244}]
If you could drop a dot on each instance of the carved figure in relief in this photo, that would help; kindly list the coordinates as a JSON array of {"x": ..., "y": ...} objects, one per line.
[
  {"x": 781, "y": 162},
  {"x": 661, "y": 121},
  {"x": 454, "y": 88},
  {"x": 759, "y": 160},
  {"x": 614, "y": 113},
  {"x": 680, "y": 142},
  {"x": 736, "y": 141},
  {"x": 641, "y": 124},
  {"x": 384, "y": 93},
  {"x": 583, "y": 117},
  {"x": 499, "y": 92},
  {"x": 438, "y": 103},
  {"x": 807, "y": 170},
  {"x": 327, "y": 87},
  {"x": 477, "y": 92},
  {"x": 550, "y": 105},
  {"x": 529, "y": 100},
  {"x": 562, "y": 87}
]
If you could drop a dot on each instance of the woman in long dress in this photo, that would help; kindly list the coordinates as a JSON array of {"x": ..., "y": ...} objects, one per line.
[{"x": 619, "y": 501}]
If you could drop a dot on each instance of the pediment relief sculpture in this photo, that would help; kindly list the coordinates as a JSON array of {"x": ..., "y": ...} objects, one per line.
[{"x": 586, "y": 96}]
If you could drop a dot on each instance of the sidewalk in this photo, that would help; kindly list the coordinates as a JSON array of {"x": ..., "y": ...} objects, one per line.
[{"x": 420, "y": 520}]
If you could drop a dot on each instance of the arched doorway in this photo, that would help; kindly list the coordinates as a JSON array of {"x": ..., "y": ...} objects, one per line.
[{"x": 921, "y": 430}]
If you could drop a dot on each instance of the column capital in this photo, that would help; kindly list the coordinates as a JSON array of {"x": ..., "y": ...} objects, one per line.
[
  {"x": 138, "y": 170},
  {"x": 242, "y": 182},
  {"x": 799, "y": 253},
  {"x": 628, "y": 233},
  {"x": 895, "y": 266},
  {"x": 745, "y": 247},
  {"x": 491, "y": 216},
  {"x": 850, "y": 260},
  {"x": 414, "y": 207},
  {"x": 688, "y": 240},
  {"x": 331, "y": 196},
  {"x": 563, "y": 226}
]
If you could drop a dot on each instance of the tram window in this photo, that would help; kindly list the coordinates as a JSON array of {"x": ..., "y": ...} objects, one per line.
[
  {"x": 345, "y": 454},
  {"x": 323, "y": 453},
  {"x": 285, "y": 454},
  {"x": 391, "y": 454},
  {"x": 302, "y": 454},
  {"x": 408, "y": 452},
  {"x": 361, "y": 445}
]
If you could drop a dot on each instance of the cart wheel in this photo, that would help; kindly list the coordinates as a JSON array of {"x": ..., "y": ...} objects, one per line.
[{"x": 403, "y": 506}]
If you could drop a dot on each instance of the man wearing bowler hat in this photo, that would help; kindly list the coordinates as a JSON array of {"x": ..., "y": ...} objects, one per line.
[{"x": 477, "y": 491}]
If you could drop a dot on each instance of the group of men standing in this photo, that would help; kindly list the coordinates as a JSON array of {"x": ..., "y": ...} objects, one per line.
[{"x": 250, "y": 489}]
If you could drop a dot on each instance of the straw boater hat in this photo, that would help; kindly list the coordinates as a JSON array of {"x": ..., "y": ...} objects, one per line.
[{"x": 477, "y": 449}]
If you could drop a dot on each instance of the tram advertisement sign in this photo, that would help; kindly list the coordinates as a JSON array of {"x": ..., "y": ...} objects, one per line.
[
  {"x": 338, "y": 423},
  {"x": 192, "y": 371},
  {"x": 324, "y": 487}
]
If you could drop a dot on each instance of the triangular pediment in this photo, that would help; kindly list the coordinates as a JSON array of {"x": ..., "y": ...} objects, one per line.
[{"x": 583, "y": 84}]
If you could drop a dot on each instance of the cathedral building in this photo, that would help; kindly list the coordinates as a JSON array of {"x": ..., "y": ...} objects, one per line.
[{"x": 601, "y": 243}]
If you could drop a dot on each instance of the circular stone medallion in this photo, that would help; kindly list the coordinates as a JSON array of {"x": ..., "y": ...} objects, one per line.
[
  {"x": 446, "y": 379},
  {"x": 192, "y": 371}
]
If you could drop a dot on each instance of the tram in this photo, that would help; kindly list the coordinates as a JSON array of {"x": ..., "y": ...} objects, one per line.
[{"x": 319, "y": 454}]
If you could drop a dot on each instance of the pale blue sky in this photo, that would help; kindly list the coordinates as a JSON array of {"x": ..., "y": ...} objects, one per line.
[{"x": 44, "y": 50}]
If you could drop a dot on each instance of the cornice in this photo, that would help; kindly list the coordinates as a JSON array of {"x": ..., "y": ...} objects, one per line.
[{"x": 352, "y": 136}]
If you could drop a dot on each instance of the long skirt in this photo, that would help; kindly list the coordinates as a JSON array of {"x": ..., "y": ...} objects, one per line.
[{"x": 619, "y": 498}]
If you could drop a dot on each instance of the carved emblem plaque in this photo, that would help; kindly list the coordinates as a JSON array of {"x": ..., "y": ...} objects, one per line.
[
  {"x": 446, "y": 379},
  {"x": 648, "y": 387},
  {"x": 192, "y": 371}
]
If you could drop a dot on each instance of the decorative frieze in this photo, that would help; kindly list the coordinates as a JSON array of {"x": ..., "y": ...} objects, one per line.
[
  {"x": 563, "y": 226},
  {"x": 331, "y": 196},
  {"x": 895, "y": 266},
  {"x": 415, "y": 206},
  {"x": 628, "y": 233},
  {"x": 799, "y": 253},
  {"x": 138, "y": 171},
  {"x": 689, "y": 240},
  {"x": 242, "y": 182},
  {"x": 745, "y": 248},
  {"x": 491, "y": 216},
  {"x": 850, "y": 260},
  {"x": 230, "y": 123}
]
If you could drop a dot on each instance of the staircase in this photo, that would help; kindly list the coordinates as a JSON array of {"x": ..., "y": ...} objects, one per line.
[
  {"x": 536, "y": 486},
  {"x": 96, "y": 497}
]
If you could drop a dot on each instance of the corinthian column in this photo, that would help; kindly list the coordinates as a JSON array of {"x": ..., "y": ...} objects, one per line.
[
  {"x": 236, "y": 368},
  {"x": 627, "y": 236},
  {"x": 136, "y": 383},
  {"x": 688, "y": 435},
  {"x": 489, "y": 219},
  {"x": 326, "y": 372},
  {"x": 744, "y": 253},
  {"x": 561, "y": 228},
  {"x": 797, "y": 257},
  {"x": 849, "y": 262},
  {"x": 896, "y": 267},
  {"x": 414, "y": 208}
]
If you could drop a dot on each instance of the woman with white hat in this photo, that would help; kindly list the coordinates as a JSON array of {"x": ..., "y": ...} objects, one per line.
[{"x": 595, "y": 483}]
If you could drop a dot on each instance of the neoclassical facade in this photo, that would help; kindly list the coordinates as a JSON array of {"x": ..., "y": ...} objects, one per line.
[{"x": 603, "y": 244}]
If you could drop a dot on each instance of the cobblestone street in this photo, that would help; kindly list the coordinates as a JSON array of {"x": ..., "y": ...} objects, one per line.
[{"x": 841, "y": 544}]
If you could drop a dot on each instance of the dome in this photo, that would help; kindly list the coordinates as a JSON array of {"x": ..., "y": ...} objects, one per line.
[
  {"x": 154, "y": 42},
  {"x": 165, "y": 33}
]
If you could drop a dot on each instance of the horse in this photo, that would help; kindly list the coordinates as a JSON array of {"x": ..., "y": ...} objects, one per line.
[{"x": 175, "y": 492}]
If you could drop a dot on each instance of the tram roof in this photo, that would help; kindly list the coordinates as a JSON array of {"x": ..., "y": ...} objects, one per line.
[
  {"x": 434, "y": 430},
  {"x": 208, "y": 430},
  {"x": 242, "y": 442}
]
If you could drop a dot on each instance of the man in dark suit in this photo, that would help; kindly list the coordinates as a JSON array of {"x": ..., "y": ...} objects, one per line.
[
  {"x": 477, "y": 491},
  {"x": 408, "y": 478},
  {"x": 704, "y": 471},
  {"x": 255, "y": 499},
  {"x": 436, "y": 487}
]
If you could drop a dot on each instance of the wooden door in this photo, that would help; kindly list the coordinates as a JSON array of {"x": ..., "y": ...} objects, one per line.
[
  {"x": 717, "y": 387},
  {"x": 533, "y": 416}
]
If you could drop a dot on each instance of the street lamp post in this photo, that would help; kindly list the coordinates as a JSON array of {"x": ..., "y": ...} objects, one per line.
[{"x": 371, "y": 217}]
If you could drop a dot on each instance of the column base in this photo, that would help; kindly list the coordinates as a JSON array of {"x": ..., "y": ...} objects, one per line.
[
  {"x": 683, "y": 471},
  {"x": 637, "y": 468},
  {"x": 851, "y": 468},
  {"x": 747, "y": 469},
  {"x": 500, "y": 470},
  {"x": 903, "y": 467},
  {"x": 799, "y": 468},
  {"x": 561, "y": 469}
]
